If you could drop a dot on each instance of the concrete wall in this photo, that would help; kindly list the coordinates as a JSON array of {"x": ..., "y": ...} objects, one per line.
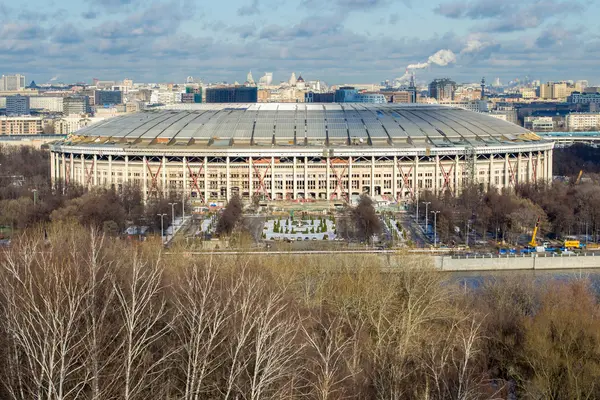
[{"x": 447, "y": 263}]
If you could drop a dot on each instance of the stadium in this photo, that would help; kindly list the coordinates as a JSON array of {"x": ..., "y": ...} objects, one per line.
[{"x": 301, "y": 152}]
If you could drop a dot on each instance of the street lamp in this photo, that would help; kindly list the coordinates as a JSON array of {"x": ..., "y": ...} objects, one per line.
[
  {"x": 417, "y": 215},
  {"x": 468, "y": 231},
  {"x": 435, "y": 213},
  {"x": 427, "y": 203},
  {"x": 183, "y": 208},
  {"x": 162, "y": 230}
]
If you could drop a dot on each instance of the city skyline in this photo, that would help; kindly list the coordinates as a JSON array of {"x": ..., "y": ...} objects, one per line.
[{"x": 340, "y": 41}]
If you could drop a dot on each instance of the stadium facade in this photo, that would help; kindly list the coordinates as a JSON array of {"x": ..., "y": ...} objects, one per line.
[{"x": 210, "y": 152}]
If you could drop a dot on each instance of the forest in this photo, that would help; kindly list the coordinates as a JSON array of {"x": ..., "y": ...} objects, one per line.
[{"x": 86, "y": 316}]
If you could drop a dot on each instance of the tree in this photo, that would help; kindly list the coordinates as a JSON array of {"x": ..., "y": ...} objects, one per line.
[{"x": 365, "y": 218}]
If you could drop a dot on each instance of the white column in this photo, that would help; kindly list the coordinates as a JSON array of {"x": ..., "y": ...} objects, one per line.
[
  {"x": 506, "y": 172},
  {"x": 126, "y": 177},
  {"x": 415, "y": 176},
  {"x": 95, "y": 170},
  {"x": 519, "y": 168},
  {"x": 327, "y": 180},
  {"x": 83, "y": 173},
  {"x": 295, "y": 169},
  {"x": 350, "y": 179},
  {"x": 436, "y": 175},
  {"x": 549, "y": 157},
  {"x": 395, "y": 179},
  {"x": 227, "y": 179},
  {"x": 251, "y": 178},
  {"x": 72, "y": 168},
  {"x": 205, "y": 179},
  {"x": 457, "y": 184},
  {"x": 145, "y": 175},
  {"x": 52, "y": 170},
  {"x": 530, "y": 167},
  {"x": 372, "y": 190},
  {"x": 539, "y": 172},
  {"x": 164, "y": 188},
  {"x": 110, "y": 176},
  {"x": 184, "y": 189},
  {"x": 492, "y": 172},
  {"x": 63, "y": 168},
  {"x": 306, "y": 177},
  {"x": 272, "y": 178}
]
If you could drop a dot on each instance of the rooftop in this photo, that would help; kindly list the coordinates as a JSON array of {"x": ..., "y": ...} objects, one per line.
[{"x": 304, "y": 124}]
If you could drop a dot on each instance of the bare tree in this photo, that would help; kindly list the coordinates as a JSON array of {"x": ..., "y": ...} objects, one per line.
[
  {"x": 43, "y": 309},
  {"x": 230, "y": 216},
  {"x": 326, "y": 369},
  {"x": 205, "y": 304},
  {"x": 366, "y": 219},
  {"x": 145, "y": 322}
]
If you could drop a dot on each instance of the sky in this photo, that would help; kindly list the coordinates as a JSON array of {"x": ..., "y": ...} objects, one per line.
[{"x": 336, "y": 41}]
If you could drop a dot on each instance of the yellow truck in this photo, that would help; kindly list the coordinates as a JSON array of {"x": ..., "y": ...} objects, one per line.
[{"x": 572, "y": 244}]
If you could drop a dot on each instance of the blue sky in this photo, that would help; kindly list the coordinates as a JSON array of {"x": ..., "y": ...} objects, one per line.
[{"x": 338, "y": 41}]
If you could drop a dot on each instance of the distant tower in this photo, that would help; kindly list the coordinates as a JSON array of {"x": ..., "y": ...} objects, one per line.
[
  {"x": 249, "y": 78},
  {"x": 293, "y": 79},
  {"x": 190, "y": 79},
  {"x": 412, "y": 89},
  {"x": 482, "y": 88}
]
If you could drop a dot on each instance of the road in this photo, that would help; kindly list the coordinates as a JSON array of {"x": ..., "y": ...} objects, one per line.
[{"x": 415, "y": 231}]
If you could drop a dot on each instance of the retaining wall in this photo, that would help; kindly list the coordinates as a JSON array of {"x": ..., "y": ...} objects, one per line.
[{"x": 447, "y": 263}]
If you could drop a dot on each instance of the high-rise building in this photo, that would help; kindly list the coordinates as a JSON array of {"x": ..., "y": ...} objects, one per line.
[
  {"x": 108, "y": 97},
  {"x": 412, "y": 89},
  {"x": 234, "y": 94},
  {"x": 17, "y": 105},
  {"x": 76, "y": 105},
  {"x": 312, "y": 97},
  {"x": 559, "y": 90},
  {"x": 348, "y": 94},
  {"x": 546, "y": 91},
  {"x": 46, "y": 103},
  {"x": 442, "y": 89},
  {"x": 12, "y": 82},
  {"x": 266, "y": 80},
  {"x": 193, "y": 94},
  {"x": 555, "y": 90}
]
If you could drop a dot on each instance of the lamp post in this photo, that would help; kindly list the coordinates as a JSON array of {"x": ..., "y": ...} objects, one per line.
[
  {"x": 427, "y": 203},
  {"x": 435, "y": 213},
  {"x": 162, "y": 230},
  {"x": 417, "y": 214},
  {"x": 468, "y": 231},
  {"x": 183, "y": 208}
]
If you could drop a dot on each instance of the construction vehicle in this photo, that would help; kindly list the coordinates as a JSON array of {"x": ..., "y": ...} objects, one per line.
[
  {"x": 573, "y": 244},
  {"x": 532, "y": 246},
  {"x": 579, "y": 177},
  {"x": 533, "y": 241}
]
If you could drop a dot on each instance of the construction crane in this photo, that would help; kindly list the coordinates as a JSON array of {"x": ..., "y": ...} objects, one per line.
[
  {"x": 579, "y": 177},
  {"x": 533, "y": 241}
]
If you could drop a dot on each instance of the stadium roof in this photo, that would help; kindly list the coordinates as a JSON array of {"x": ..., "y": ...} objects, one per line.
[{"x": 305, "y": 124}]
